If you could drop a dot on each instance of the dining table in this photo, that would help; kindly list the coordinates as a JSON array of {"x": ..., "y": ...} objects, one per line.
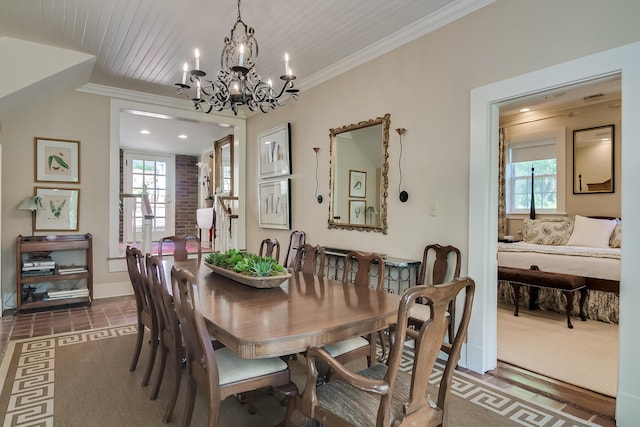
[{"x": 304, "y": 311}]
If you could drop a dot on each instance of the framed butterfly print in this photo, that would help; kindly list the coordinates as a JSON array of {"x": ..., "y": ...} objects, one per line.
[{"x": 59, "y": 209}]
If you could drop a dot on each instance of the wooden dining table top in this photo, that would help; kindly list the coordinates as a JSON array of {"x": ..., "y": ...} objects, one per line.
[{"x": 304, "y": 311}]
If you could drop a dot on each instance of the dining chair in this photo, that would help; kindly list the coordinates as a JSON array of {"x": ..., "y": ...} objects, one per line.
[
  {"x": 221, "y": 372},
  {"x": 296, "y": 240},
  {"x": 171, "y": 346},
  {"x": 180, "y": 243},
  {"x": 358, "y": 347},
  {"x": 145, "y": 310},
  {"x": 439, "y": 264},
  {"x": 310, "y": 260},
  {"x": 268, "y": 247},
  {"x": 384, "y": 395}
]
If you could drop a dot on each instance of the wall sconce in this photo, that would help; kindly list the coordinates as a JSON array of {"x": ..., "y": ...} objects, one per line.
[
  {"x": 404, "y": 196},
  {"x": 318, "y": 196},
  {"x": 33, "y": 204}
]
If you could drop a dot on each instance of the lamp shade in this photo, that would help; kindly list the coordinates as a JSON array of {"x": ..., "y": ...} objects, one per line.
[{"x": 32, "y": 203}]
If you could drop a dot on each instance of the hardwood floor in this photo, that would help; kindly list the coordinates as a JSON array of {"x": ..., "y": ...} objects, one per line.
[
  {"x": 581, "y": 403},
  {"x": 578, "y": 398}
]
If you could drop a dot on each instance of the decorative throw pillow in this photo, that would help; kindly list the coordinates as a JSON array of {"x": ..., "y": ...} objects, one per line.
[
  {"x": 549, "y": 231},
  {"x": 615, "y": 241},
  {"x": 591, "y": 232}
]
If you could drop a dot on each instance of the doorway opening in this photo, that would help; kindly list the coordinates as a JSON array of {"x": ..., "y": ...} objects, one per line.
[{"x": 481, "y": 348}]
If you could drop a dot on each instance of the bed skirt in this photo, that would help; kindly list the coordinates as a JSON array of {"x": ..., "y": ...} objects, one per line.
[{"x": 600, "y": 305}]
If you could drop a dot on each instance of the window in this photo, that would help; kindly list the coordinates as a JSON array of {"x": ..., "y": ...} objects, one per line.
[{"x": 546, "y": 156}]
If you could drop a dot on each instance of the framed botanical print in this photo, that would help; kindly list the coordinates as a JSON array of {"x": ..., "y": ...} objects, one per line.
[
  {"x": 274, "y": 202},
  {"x": 59, "y": 209},
  {"x": 274, "y": 148},
  {"x": 357, "y": 184},
  {"x": 357, "y": 210},
  {"x": 57, "y": 160}
]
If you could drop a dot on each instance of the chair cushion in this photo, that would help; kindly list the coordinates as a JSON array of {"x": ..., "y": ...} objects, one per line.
[
  {"x": 358, "y": 407},
  {"x": 341, "y": 347},
  {"x": 233, "y": 368},
  {"x": 421, "y": 312}
]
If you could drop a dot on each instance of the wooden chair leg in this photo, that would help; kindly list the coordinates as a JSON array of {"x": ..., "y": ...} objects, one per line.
[
  {"x": 152, "y": 358},
  {"x": 163, "y": 363},
  {"x": 383, "y": 344},
  {"x": 192, "y": 386},
  {"x": 252, "y": 402},
  {"x": 175, "y": 387},
  {"x": 136, "y": 351}
]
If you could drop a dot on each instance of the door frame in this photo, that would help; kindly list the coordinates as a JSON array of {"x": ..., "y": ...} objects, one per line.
[
  {"x": 481, "y": 349},
  {"x": 175, "y": 108}
]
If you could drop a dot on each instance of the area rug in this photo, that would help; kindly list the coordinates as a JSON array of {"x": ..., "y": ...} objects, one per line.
[
  {"x": 539, "y": 341},
  {"x": 82, "y": 379}
]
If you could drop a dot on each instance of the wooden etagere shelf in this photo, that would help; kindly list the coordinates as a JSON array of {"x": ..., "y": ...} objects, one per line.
[{"x": 53, "y": 271}]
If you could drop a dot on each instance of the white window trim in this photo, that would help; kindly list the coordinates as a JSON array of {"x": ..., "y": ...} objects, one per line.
[{"x": 560, "y": 136}]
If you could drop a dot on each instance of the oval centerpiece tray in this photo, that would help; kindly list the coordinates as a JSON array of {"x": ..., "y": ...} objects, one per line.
[{"x": 256, "y": 282}]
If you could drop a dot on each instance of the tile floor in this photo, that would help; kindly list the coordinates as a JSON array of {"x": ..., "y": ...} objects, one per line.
[{"x": 122, "y": 311}]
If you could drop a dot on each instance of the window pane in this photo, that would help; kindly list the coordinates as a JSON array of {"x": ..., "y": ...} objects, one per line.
[
  {"x": 161, "y": 168},
  {"x": 137, "y": 166}
]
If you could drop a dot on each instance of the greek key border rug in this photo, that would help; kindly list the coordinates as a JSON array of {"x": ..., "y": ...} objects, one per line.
[{"x": 34, "y": 369}]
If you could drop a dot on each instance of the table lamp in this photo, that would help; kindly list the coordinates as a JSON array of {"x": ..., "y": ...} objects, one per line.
[{"x": 33, "y": 204}]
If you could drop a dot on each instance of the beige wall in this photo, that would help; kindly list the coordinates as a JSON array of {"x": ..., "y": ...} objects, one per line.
[
  {"x": 425, "y": 86},
  {"x": 75, "y": 116}
]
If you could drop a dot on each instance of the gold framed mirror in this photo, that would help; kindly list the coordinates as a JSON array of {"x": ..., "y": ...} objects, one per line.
[
  {"x": 223, "y": 171},
  {"x": 358, "y": 179}
]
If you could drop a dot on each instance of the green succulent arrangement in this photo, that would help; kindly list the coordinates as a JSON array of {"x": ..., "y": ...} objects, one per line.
[{"x": 246, "y": 263}]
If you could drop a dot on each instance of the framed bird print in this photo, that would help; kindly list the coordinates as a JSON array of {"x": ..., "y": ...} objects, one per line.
[{"x": 57, "y": 160}]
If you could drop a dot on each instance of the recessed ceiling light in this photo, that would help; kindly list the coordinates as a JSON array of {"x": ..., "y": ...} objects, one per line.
[
  {"x": 224, "y": 125},
  {"x": 148, "y": 114},
  {"x": 145, "y": 132},
  {"x": 524, "y": 110},
  {"x": 182, "y": 136}
]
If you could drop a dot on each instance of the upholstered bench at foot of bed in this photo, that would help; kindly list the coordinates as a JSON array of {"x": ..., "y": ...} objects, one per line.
[{"x": 567, "y": 283}]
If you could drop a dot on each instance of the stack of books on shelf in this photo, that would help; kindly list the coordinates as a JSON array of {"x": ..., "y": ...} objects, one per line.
[
  {"x": 70, "y": 269},
  {"x": 53, "y": 294},
  {"x": 41, "y": 266}
]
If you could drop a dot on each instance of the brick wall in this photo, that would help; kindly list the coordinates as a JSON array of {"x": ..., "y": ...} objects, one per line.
[{"x": 186, "y": 200}]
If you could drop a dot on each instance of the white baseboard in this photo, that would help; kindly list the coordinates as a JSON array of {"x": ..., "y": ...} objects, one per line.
[{"x": 108, "y": 290}]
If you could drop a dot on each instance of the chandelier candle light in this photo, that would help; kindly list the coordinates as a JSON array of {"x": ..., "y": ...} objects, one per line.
[{"x": 237, "y": 83}]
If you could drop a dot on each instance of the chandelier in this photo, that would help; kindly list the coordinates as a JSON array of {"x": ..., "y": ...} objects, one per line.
[{"x": 237, "y": 83}]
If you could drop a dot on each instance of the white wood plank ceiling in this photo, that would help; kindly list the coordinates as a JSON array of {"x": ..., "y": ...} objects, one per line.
[{"x": 142, "y": 44}]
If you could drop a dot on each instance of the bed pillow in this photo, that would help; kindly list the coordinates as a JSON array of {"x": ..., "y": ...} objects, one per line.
[
  {"x": 591, "y": 232},
  {"x": 549, "y": 231},
  {"x": 615, "y": 241}
]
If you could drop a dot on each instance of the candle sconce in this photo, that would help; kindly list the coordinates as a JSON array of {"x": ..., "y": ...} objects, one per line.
[
  {"x": 318, "y": 196},
  {"x": 403, "y": 195}
]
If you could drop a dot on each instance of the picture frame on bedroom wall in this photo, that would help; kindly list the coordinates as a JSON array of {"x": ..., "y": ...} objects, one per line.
[{"x": 593, "y": 160}]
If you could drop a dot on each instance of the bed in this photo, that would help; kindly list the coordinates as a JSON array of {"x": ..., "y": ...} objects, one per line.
[{"x": 580, "y": 246}]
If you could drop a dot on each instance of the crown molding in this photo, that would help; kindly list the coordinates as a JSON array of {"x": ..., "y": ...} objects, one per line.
[
  {"x": 147, "y": 98},
  {"x": 429, "y": 23}
]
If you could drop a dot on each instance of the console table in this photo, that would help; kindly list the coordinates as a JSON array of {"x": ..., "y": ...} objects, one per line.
[{"x": 399, "y": 273}]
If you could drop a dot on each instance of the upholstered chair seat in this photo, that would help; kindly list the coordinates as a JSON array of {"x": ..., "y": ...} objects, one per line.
[
  {"x": 345, "y": 346},
  {"x": 233, "y": 368}
]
